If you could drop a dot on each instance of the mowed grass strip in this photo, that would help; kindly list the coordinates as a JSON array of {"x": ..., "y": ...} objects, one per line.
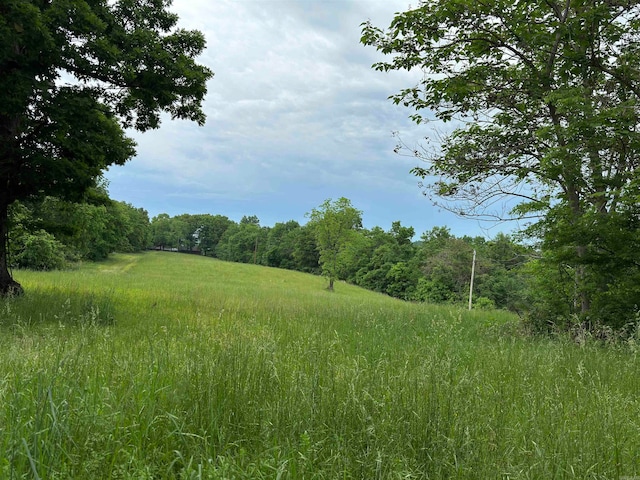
[{"x": 172, "y": 366}]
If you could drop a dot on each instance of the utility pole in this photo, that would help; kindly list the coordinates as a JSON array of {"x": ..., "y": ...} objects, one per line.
[{"x": 473, "y": 272}]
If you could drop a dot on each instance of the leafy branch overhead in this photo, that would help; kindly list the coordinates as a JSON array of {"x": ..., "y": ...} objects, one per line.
[
  {"x": 73, "y": 75},
  {"x": 544, "y": 99}
]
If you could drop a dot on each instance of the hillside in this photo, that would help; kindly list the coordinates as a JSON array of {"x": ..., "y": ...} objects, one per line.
[{"x": 173, "y": 366}]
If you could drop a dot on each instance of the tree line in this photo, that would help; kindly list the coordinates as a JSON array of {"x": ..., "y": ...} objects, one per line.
[
  {"x": 53, "y": 233},
  {"x": 436, "y": 268},
  {"x": 510, "y": 273}
]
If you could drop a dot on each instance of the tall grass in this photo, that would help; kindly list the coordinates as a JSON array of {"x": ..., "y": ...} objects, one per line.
[{"x": 170, "y": 366}]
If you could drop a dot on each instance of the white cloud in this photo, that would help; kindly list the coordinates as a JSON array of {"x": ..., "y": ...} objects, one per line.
[{"x": 294, "y": 109}]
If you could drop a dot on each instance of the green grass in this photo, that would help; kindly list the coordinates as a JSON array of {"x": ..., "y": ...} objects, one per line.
[{"x": 172, "y": 366}]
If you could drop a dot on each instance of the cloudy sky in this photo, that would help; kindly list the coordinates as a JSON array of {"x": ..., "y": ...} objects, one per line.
[{"x": 295, "y": 115}]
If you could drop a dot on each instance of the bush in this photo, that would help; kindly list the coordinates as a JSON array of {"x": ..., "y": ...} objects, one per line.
[
  {"x": 484, "y": 303},
  {"x": 40, "y": 251},
  {"x": 432, "y": 291}
]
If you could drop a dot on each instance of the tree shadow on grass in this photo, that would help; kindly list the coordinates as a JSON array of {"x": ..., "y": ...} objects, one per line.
[{"x": 46, "y": 306}]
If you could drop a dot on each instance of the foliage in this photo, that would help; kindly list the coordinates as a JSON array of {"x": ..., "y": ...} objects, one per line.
[
  {"x": 550, "y": 297},
  {"x": 80, "y": 231},
  {"x": 135, "y": 234},
  {"x": 435, "y": 269},
  {"x": 484, "y": 303},
  {"x": 305, "y": 251},
  {"x": 432, "y": 291},
  {"x": 281, "y": 244},
  {"x": 163, "y": 233},
  {"x": 243, "y": 242},
  {"x": 73, "y": 76},
  {"x": 334, "y": 223},
  {"x": 402, "y": 279},
  {"x": 450, "y": 267},
  {"x": 210, "y": 229},
  {"x": 187, "y": 232},
  {"x": 382, "y": 261},
  {"x": 544, "y": 97},
  {"x": 40, "y": 251}
]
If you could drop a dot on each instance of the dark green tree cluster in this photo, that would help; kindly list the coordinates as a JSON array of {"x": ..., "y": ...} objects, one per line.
[
  {"x": 73, "y": 75},
  {"x": 544, "y": 97},
  {"x": 188, "y": 233},
  {"x": 285, "y": 245},
  {"x": 437, "y": 268},
  {"x": 243, "y": 242},
  {"x": 500, "y": 269},
  {"x": 52, "y": 233},
  {"x": 382, "y": 261}
]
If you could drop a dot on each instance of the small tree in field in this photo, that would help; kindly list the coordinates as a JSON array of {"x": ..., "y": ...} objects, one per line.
[
  {"x": 73, "y": 75},
  {"x": 333, "y": 224}
]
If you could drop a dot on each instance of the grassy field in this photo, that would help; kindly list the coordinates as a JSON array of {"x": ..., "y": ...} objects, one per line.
[{"x": 171, "y": 366}]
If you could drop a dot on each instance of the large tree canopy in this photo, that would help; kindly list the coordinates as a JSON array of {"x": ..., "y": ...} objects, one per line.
[
  {"x": 546, "y": 94},
  {"x": 73, "y": 75}
]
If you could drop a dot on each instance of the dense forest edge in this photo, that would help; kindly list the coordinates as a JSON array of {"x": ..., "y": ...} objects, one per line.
[{"x": 509, "y": 274}]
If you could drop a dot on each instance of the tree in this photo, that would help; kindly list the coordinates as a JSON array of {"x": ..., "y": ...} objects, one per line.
[
  {"x": 333, "y": 224},
  {"x": 95, "y": 233},
  {"x": 545, "y": 98},
  {"x": 162, "y": 234},
  {"x": 243, "y": 242},
  {"x": 446, "y": 266},
  {"x": 355, "y": 257},
  {"x": 186, "y": 227},
  {"x": 250, "y": 220},
  {"x": 73, "y": 75},
  {"x": 381, "y": 261},
  {"x": 505, "y": 282},
  {"x": 49, "y": 228},
  {"x": 138, "y": 233},
  {"x": 281, "y": 245},
  {"x": 306, "y": 256},
  {"x": 210, "y": 230},
  {"x": 41, "y": 251}
]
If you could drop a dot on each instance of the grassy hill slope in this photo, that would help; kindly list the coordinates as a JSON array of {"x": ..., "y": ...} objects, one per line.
[{"x": 173, "y": 366}]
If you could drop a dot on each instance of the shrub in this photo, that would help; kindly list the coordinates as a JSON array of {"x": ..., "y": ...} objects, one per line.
[
  {"x": 40, "y": 251},
  {"x": 484, "y": 303}
]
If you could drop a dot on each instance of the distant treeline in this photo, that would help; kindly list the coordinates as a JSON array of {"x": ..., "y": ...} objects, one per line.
[
  {"x": 52, "y": 233},
  {"x": 436, "y": 269}
]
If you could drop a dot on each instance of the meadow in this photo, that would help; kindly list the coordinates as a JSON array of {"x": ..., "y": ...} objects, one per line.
[{"x": 172, "y": 366}]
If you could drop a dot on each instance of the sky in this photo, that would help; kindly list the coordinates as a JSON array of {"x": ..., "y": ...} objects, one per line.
[{"x": 295, "y": 116}]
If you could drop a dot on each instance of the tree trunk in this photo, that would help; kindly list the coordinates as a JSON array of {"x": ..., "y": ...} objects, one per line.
[
  {"x": 8, "y": 286},
  {"x": 9, "y": 160},
  {"x": 330, "y": 287},
  {"x": 573, "y": 198},
  {"x": 581, "y": 281},
  {"x": 581, "y": 252}
]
